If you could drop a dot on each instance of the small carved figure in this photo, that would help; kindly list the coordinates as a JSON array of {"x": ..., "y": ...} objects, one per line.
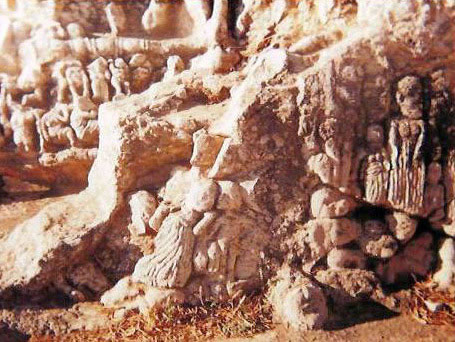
[
  {"x": 24, "y": 127},
  {"x": 375, "y": 170},
  {"x": 338, "y": 149},
  {"x": 175, "y": 65},
  {"x": 54, "y": 128},
  {"x": 116, "y": 18},
  {"x": 99, "y": 76},
  {"x": 78, "y": 81},
  {"x": 407, "y": 173},
  {"x": 84, "y": 121},
  {"x": 120, "y": 79},
  {"x": 58, "y": 75},
  {"x": 376, "y": 179},
  {"x": 440, "y": 114},
  {"x": 33, "y": 79},
  {"x": 5, "y": 126},
  {"x": 141, "y": 72}
]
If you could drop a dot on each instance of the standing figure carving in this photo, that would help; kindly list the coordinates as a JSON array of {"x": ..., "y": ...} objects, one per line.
[
  {"x": 84, "y": 121},
  {"x": 78, "y": 81},
  {"x": 120, "y": 79},
  {"x": 376, "y": 168},
  {"x": 99, "y": 76},
  {"x": 406, "y": 137},
  {"x": 23, "y": 124}
]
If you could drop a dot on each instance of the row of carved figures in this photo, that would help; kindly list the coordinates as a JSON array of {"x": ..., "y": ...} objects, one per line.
[{"x": 78, "y": 91}]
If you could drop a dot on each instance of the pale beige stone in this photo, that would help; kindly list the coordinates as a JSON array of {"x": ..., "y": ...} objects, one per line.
[
  {"x": 143, "y": 206},
  {"x": 328, "y": 203},
  {"x": 445, "y": 276},
  {"x": 300, "y": 305},
  {"x": 267, "y": 131},
  {"x": 402, "y": 226}
]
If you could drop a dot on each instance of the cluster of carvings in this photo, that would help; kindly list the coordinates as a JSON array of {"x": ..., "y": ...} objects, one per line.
[
  {"x": 63, "y": 73},
  {"x": 317, "y": 182}
]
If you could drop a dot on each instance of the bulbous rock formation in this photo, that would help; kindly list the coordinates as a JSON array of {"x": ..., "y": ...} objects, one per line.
[{"x": 228, "y": 147}]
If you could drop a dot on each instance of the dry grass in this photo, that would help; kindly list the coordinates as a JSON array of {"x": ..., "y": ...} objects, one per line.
[
  {"x": 242, "y": 318},
  {"x": 425, "y": 292}
]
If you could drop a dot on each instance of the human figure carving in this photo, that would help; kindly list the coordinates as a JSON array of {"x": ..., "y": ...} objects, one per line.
[
  {"x": 141, "y": 72},
  {"x": 78, "y": 80},
  {"x": 375, "y": 171},
  {"x": 407, "y": 173},
  {"x": 337, "y": 146},
  {"x": 99, "y": 76},
  {"x": 33, "y": 80},
  {"x": 84, "y": 121},
  {"x": 58, "y": 75},
  {"x": 5, "y": 126},
  {"x": 120, "y": 79},
  {"x": 54, "y": 128},
  {"x": 175, "y": 65},
  {"x": 23, "y": 124}
]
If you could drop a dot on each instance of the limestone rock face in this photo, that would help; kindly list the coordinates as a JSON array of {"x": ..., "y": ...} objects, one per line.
[{"x": 220, "y": 146}]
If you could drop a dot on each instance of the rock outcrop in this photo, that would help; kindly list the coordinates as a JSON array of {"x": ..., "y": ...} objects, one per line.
[{"x": 305, "y": 145}]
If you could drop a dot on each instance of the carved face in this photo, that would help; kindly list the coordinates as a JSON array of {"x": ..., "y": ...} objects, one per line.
[
  {"x": 74, "y": 74},
  {"x": 439, "y": 81},
  {"x": 409, "y": 97}
]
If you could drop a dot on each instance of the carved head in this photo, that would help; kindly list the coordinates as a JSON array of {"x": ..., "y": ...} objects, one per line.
[
  {"x": 409, "y": 97},
  {"x": 439, "y": 81},
  {"x": 375, "y": 137},
  {"x": 120, "y": 63}
]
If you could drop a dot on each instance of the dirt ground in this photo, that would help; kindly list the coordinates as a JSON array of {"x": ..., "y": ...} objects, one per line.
[{"x": 368, "y": 323}]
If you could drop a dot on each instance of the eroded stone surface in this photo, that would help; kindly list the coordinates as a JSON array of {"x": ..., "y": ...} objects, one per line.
[{"x": 232, "y": 141}]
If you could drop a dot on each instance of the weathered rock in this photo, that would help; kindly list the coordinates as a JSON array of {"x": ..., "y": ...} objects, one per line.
[
  {"x": 128, "y": 294},
  {"x": 230, "y": 196},
  {"x": 348, "y": 286},
  {"x": 345, "y": 258},
  {"x": 260, "y": 126},
  {"x": 402, "y": 226},
  {"x": 374, "y": 240},
  {"x": 299, "y": 304},
  {"x": 445, "y": 276},
  {"x": 328, "y": 203},
  {"x": 318, "y": 237},
  {"x": 206, "y": 148},
  {"x": 415, "y": 259}
]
